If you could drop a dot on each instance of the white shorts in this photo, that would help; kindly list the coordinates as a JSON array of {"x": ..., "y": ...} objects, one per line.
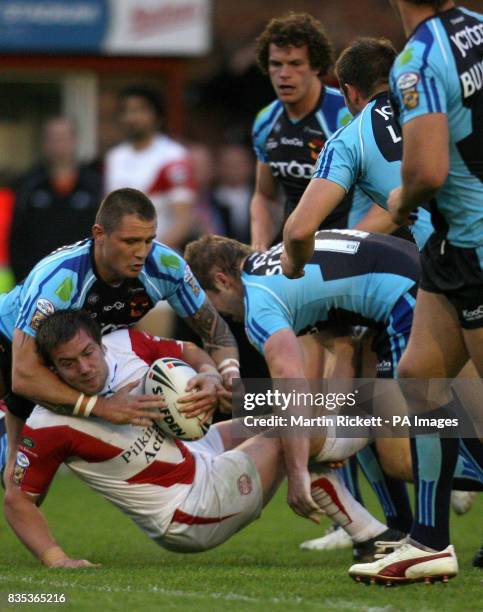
[{"x": 225, "y": 497}]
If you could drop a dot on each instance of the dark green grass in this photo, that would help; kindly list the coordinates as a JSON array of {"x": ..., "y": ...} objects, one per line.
[{"x": 259, "y": 569}]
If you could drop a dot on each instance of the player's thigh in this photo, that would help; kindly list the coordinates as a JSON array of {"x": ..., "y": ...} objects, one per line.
[
  {"x": 266, "y": 454},
  {"x": 474, "y": 343},
  {"x": 395, "y": 457},
  {"x": 436, "y": 347}
]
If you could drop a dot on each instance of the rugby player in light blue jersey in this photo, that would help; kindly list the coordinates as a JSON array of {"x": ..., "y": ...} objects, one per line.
[
  {"x": 347, "y": 266},
  {"x": 367, "y": 153},
  {"x": 117, "y": 276},
  {"x": 437, "y": 93}
]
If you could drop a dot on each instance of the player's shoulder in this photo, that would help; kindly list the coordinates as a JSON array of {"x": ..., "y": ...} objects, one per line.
[
  {"x": 119, "y": 151},
  {"x": 267, "y": 116},
  {"x": 334, "y": 109},
  {"x": 74, "y": 257},
  {"x": 164, "y": 260},
  {"x": 118, "y": 341}
]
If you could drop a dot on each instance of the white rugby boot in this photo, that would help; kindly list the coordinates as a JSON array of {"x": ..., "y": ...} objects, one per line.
[{"x": 408, "y": 564}]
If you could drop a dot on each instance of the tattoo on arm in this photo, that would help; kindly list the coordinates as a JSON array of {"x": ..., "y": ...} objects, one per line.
[
  {"x": 211, "y": 328},
  {"x": 65, "y": 409}
]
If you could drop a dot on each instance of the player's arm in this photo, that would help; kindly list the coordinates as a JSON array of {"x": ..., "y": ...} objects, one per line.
[
  {"x": 425, "y": 164},
  {"x": 377, "y": 220},
  {"x": 33, "y": 380},
  {"x": 32, "y": 529},
  {"x": 204, "y": 387},
  {"x": 318, "y": 201},
  {"x": 264, "y": 209},
  {"x": 285, "y": 361},
  {"x": 218, "y": 341}
]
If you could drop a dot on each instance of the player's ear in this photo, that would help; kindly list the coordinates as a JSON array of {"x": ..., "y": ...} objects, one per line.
[
  {"x": 98, "y": 232},
  {"x": 221, "y": 280}
]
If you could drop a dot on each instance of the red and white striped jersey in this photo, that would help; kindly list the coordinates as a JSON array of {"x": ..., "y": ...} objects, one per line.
[
  {"x": 142, "y": 471},
  {"x": 162, "y": 171}
]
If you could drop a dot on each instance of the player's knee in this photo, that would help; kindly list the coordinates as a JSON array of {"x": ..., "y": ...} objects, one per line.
[{"x": 407, "y": 367}]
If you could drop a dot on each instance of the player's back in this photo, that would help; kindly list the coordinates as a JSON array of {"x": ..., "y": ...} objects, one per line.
[
  {"x": 368, "y": 153},
  {"x": 353, "y": 277},
  {"x": 441, "y": 71}
]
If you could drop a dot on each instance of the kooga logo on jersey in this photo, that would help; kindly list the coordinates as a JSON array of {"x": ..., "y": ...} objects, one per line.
[
  {"x": 293, "y": 142},
  {"x": 293, "y": 169}
]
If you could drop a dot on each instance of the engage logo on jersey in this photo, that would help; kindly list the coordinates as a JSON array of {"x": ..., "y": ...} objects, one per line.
[
  {"x": 407, "y": 84},
  {"x": 43, "y": 310}
]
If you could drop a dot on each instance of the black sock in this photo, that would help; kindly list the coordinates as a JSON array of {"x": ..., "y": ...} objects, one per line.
[{"x": 468, "y": 475}]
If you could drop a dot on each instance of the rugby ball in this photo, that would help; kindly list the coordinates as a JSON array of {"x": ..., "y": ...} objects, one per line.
[{"x": 169, "y": 376}]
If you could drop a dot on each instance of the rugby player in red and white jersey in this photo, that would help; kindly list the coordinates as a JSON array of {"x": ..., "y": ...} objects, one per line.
[
  {"x": 186, "y": 497},
  {"x": 153, "y": 163}
]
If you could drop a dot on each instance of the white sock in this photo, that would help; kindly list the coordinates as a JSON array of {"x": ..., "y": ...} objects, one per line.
[{"x": 331, "y": 494}]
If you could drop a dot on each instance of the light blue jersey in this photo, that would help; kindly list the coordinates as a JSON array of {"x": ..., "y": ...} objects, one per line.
[
  {"x": 353, "y": 278},
  {"x": 67, "y": 279},
  {"x": 440, "y": 70},
  {"x": 368, "y": 153}
]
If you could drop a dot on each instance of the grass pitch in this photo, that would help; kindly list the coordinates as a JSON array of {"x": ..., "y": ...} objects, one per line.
[{"x": 259, "y": 569}]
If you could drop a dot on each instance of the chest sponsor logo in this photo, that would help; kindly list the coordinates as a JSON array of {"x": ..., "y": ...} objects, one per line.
[
  {"x": 292, "y": 169},
  {"x": 467, "y": 38},
  {"x": 146, "y": 446}
]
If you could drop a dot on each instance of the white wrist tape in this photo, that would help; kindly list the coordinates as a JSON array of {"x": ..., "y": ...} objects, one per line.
[
  {"x": 90, "y": 405},
  {"x": 78, "y": 404},
  {"x": 228, "y": 362},
  {"x": 229, "y": 369}
]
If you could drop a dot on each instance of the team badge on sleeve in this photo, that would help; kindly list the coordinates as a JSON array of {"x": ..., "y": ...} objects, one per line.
[
  {"x": 190, "y": 280},
  {"x": 43, "y": 310},
  {"x": 406, "y": 83},
  {"x": 21, "y": 464}
]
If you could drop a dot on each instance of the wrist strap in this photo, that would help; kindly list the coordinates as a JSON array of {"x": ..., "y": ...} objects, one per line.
[
  {"x": 230, "y": 361},
  {"x": 90, "y": 405},
  {"x": 78, "y": 404},
  {"x": 52, "y": 555},
  {"x": 229, "y": 369}
]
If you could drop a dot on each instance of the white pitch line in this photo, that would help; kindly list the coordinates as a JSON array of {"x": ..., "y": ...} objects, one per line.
[{"x": 321, "y": 604}]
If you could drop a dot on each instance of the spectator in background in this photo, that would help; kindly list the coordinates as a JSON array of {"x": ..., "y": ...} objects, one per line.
[
  {"x": 234, "y": 189},
  {"x": 55, "y": 202},
  {"x": 153, "y": 163},
  {"x": 209, "y": 219}
]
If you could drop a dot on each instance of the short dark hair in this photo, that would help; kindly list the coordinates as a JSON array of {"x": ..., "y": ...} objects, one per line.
[
  {"x": 212, "y": 251},
  {"x": 366, "y": 64},
  {"x": 60, "y": 327},
  {"x": 296, "y": 30},
  {"x": 151, "y": 97},
  {"x": 122, "y": 202}
]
